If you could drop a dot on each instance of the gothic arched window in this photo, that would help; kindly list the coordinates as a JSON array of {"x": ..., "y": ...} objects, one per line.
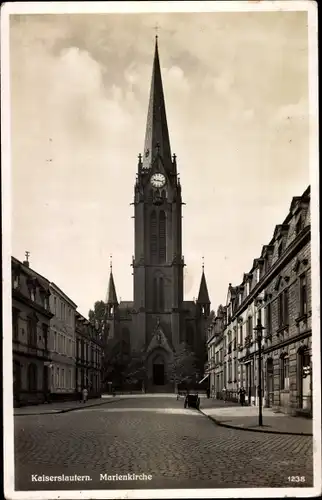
[
  {"x": 155, "y": 294},
  {"x": 153, "y": 234},
  {"x": 162, "y": 236},
  {"x": 161, "y": 294},
  {"x": 190, "y": 335}
]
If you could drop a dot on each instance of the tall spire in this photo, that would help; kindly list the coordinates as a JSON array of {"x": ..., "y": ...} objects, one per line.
[
  {"x": 157, "y": 134},
  {"x": 111, "y": 298},
  {"x": 203, "y": 296}
]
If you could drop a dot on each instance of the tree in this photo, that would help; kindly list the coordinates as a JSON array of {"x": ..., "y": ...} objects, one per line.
[
  {"x": 135, "y": 370},
  {"x": 97, "y": 315},
  {"x": 183, "y": 367}
]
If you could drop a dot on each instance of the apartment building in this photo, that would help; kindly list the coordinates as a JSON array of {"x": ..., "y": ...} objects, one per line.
[
  {"x": 277, "y": 289},
  {"x": 62, "y": 345},
  {"x": 30, "y": 327},
  {"x": 89, "y": 353}
]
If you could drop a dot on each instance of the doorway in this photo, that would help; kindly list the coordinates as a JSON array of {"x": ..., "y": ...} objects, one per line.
[{"x": 158, "y": 374}]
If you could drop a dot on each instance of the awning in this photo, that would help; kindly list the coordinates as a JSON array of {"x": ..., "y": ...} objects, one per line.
[{"x": 204, "y": 378}]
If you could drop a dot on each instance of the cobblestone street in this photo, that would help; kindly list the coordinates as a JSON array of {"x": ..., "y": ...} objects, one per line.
[{"x": 179, "y": 448}]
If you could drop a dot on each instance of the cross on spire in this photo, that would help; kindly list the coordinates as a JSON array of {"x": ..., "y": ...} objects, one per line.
[
  {"x": 203, "y": 263},
  {"x": 156, "y": 28},
  {"x": 27, "y": 255},
  {"x": 111, "y": 263}
]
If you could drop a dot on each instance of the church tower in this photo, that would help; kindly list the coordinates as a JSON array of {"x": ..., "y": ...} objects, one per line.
[{"x": 158, "y": 262}]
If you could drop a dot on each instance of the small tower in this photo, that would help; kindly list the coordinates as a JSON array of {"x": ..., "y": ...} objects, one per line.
[
  {"x": 111, "y": 298},
  {"x": 203, "y": 302}
]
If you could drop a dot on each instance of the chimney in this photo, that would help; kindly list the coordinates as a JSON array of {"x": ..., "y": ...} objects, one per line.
[{"x": 26, "y": 262}]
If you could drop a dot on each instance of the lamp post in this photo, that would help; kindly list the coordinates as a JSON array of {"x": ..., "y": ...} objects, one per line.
[{"x": 259, "y": 329}]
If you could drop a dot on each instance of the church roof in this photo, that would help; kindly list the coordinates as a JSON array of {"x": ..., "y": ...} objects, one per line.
[
  {"x": 111, "y": 297},
  {"x": 157, "y": 134},
  {"x": 203, "y": 296}
]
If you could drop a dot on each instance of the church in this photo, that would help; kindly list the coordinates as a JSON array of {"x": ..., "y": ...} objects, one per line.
[{"x": 158, "y": 320}]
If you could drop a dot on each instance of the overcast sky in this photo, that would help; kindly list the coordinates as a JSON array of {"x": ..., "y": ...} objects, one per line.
[{"x": 236, "y": 90}]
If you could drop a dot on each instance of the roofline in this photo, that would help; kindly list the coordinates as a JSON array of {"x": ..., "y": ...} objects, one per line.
[
  {"x": 30, "y": 269},
  {"x": 59, "y": 291}
]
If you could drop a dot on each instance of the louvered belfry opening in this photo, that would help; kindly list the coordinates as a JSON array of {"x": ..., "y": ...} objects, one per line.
[
  {"x": 158, "y": 237},
  {"x": 153, "y": 235},
  {"x": 162, "y": 236}
]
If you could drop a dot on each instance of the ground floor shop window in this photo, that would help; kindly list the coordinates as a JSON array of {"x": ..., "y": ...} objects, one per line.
[{"x": 284, "y": 373}]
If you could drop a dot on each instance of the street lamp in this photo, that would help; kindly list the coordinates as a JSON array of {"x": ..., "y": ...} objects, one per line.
[{"x": 259, "y": 329}]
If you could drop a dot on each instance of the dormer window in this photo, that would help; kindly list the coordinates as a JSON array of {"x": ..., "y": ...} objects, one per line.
[
  {"x": 280, "y": 249},
  {"x": 247, "y": 288},
  {"x": 299, "y": 225},
  {"x": 16, "y": 281},
  {"x": 32, "y": 294},
  {"x": 258, "y": 274}
]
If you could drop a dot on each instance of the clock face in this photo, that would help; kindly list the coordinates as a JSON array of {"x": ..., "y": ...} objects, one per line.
[{"x": 158, "y": 180}]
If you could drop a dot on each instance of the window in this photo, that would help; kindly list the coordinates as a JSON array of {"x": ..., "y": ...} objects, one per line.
[
  {"x": 250, "y": 327},
  {"x": 62, "y": 380},
  {"x": 162, "y": 236},
  {"x": 285, "y": 372},
  {"x": 283, "y": 308},
  {"x": 32, "y": 377},
  {"x": 45, "y": 334},
  {"x": 190, "y": 336},
  {"x": 55, "y": 305},
  {"x": 268, "y": 319},
  {"x": 247, "y": 288},
  {"x": 230, "y": 374},
  {"x": 32, "y": 331},
  {"x": 70, "y": 347},
  {"x": 303, "y": 295},
  {"x": 32, "y": 294},
  {"x": 161, "y": 294},
  {"x": 15, "y": 323},
  {"x": 16, "y": 281},
  {"x": 55, "y": 341},
  {"x": 57, "y": 377},
  {"x": 153, "y": 234},
  {"x": 241, "y": 334}
]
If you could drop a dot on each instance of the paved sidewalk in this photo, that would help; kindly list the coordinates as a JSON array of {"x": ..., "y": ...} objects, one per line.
[
  {"x": 246, "y": 418},
  {"x": 62, "y": 407}
]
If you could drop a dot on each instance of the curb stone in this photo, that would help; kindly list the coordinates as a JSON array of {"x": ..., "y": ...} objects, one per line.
[
  {"x": 55, "y": 412},
  {"x": 249, "y": 429}
]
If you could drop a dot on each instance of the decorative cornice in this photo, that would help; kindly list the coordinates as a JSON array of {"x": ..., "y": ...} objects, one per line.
[{"x": 289, "y": 253}]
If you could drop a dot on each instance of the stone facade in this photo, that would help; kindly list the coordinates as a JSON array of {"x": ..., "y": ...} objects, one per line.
[
  {"x": 30, "y": 332},
  {"x": 89, "y": 352},
  {"x": 62, "y": 345},
  {"x": 278, "y": 290}
]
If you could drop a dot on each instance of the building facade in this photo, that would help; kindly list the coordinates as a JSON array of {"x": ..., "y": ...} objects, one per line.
[
  {"x": 62, "y": 345},
  {"x": 89, "y": 354},
  {"x": 278, "y": 290},
  {"x": 158, "y": 320},
  {"x": 30, "y": 332}
]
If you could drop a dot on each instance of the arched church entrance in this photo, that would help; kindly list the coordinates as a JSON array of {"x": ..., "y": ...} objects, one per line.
[{"x": 158, "y": 371}]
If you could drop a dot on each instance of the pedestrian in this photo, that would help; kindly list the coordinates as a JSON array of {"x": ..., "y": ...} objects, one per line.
[
  {"x": 242, "y": 395},
  {"x": 208, "y": 393},
  {"x": 225, "y": 394},
  {"x": 85, "y": 394}
]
